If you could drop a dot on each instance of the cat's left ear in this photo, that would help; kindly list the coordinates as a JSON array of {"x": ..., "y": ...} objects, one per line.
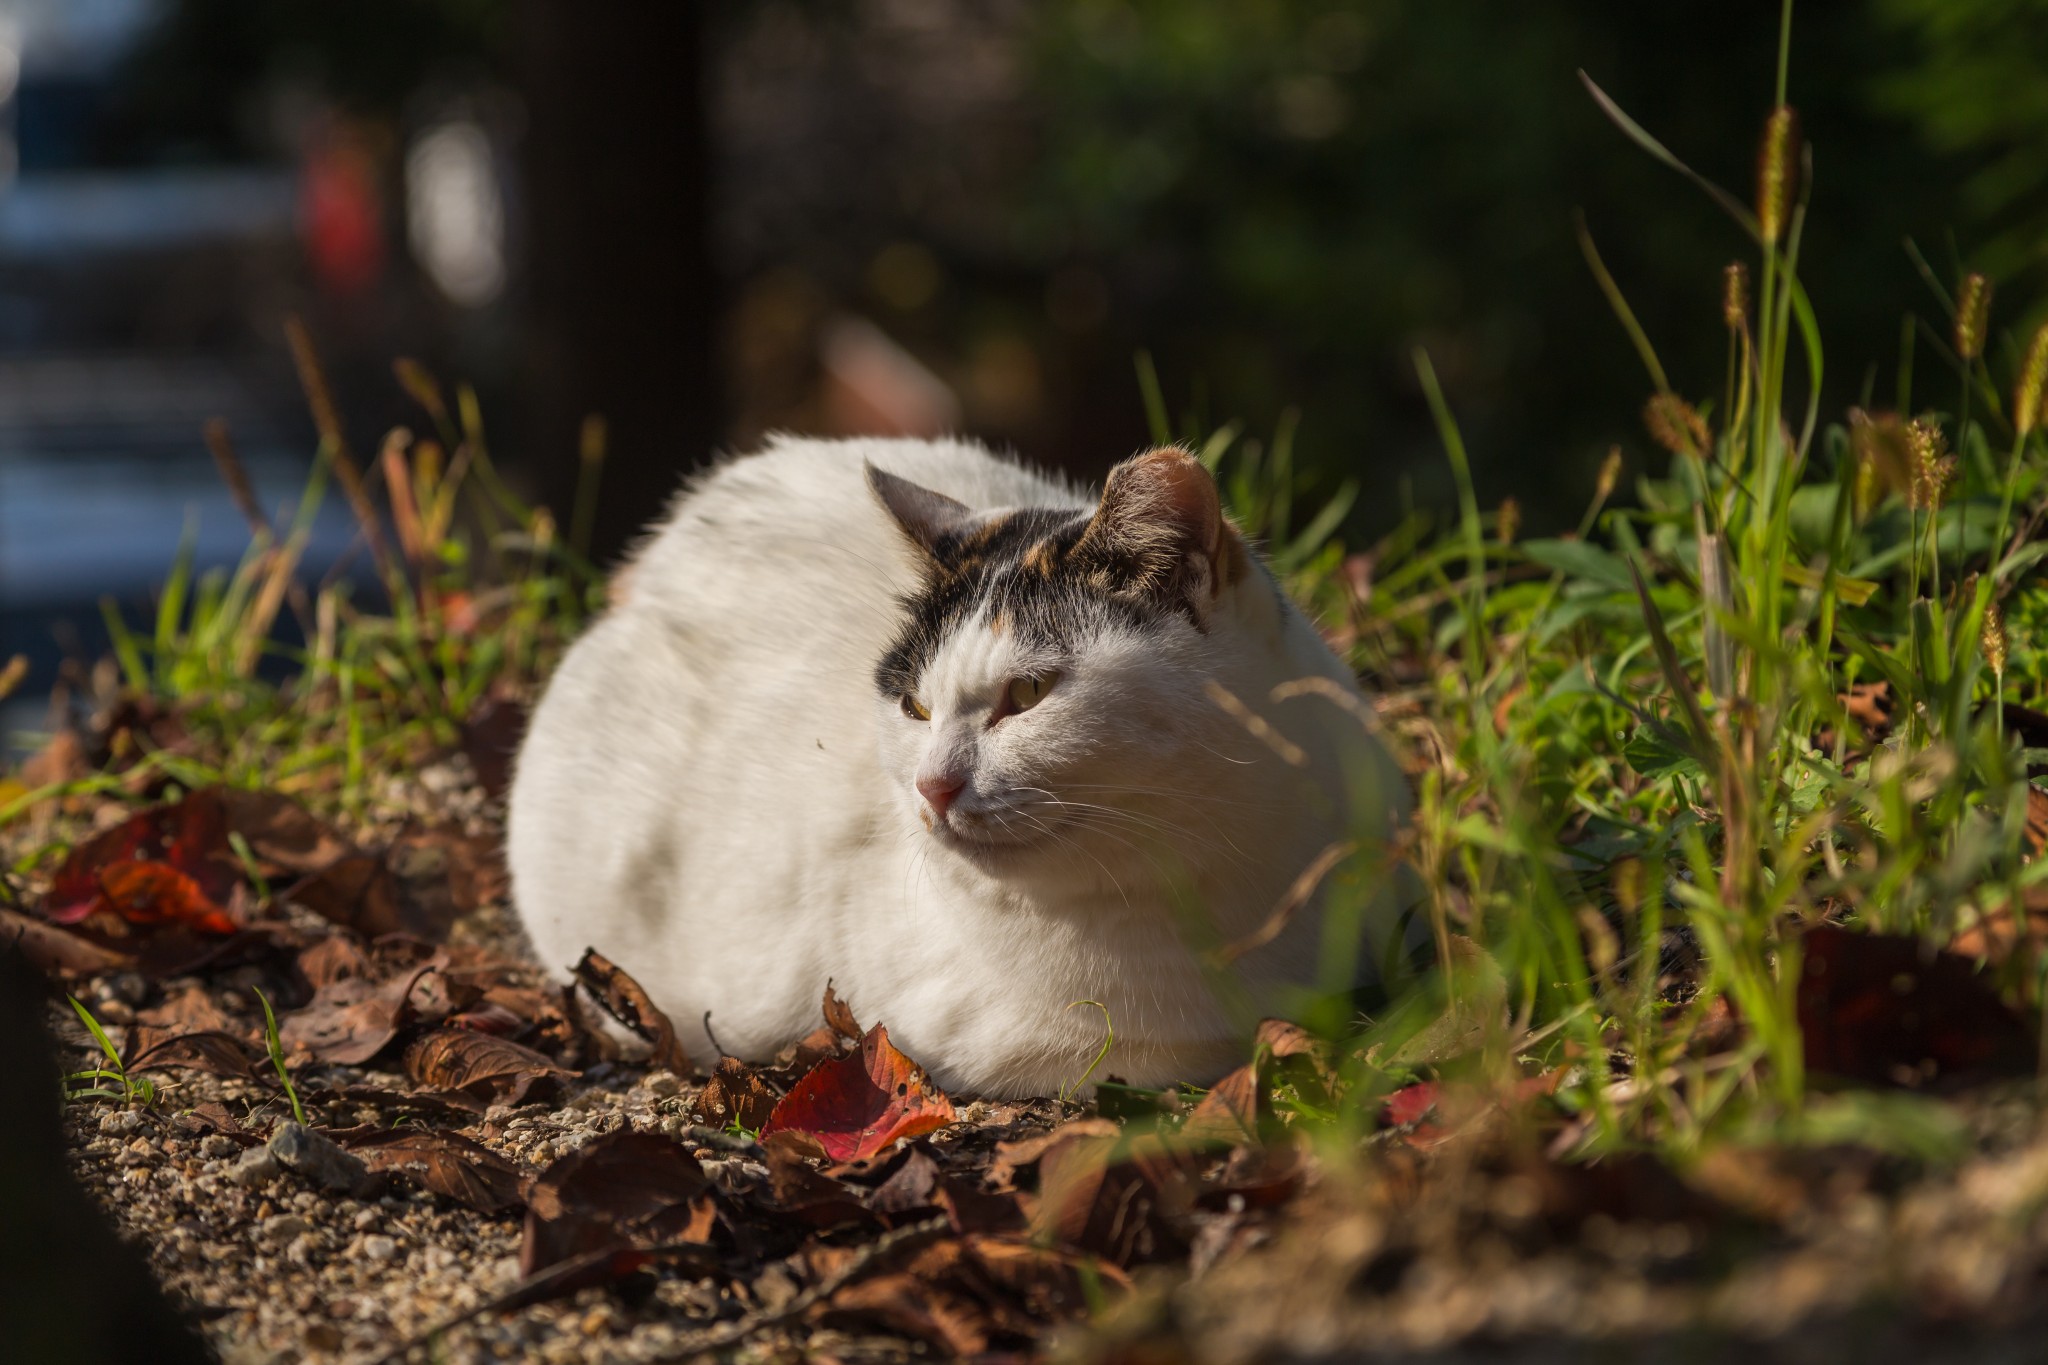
[
  {"x": 1160, "y": 532},
  {"x": 926, "y": 517}
]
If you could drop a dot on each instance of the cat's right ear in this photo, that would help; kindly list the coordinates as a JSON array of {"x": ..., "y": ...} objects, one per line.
[{"x": 926, "y": 517}]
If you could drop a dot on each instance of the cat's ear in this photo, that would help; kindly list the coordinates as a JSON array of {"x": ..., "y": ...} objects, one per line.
[
  {"x": 926, "y": 517},
  {"x": 1160, "y": 532}
]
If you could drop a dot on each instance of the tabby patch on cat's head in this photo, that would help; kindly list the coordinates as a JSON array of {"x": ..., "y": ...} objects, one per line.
[{"x": 1156, "y": 546}]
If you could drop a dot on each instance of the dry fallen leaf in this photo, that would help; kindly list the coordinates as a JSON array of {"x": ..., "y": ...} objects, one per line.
[
  {"x": 858, "y": 1104},
  {"x": 481, "y": 1064},
  {"x": 628, "y": 1002},
  {"x": 735, "y": 1096},
  {"x": 446, "y": 1164},
  {"x": 620, "y": 1190},
  {"x": 839, "y": 1018},
  {"x": 352, "y": 1019},
  {"x": 1229, "y": 1113}
]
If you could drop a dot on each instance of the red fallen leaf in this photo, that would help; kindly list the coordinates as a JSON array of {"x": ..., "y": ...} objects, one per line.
[
  {"x": 481, "y": 1064},
  {"x": 157, "y": 893},
  {"x": 858, "y": 1104},
  {"x": 622, "y": 1189},
  {"x": 1411, "y": 1104},
  {"x": 1882, "y": 1008},
  {"x": 446, "y": 1164},
  {"x": 167, "y": 865},
  {"x": 627, "y": 1001}
]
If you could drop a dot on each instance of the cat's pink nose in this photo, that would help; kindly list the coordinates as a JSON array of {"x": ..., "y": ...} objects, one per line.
[{"x": 939, "y": 792}]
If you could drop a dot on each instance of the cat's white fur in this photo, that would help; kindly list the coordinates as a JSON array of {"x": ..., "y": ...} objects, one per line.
[{"x": 714, "y": 795}]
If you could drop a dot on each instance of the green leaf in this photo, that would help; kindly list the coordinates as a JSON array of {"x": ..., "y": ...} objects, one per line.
[
  {"x": 1578, "y": 559},
  {"x": 1654, "y": 753}
]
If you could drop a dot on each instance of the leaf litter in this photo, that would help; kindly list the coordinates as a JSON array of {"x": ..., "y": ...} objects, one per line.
[{"x": 506, "y": 1176}]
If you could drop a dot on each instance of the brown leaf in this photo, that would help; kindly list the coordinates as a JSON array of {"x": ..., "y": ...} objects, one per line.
[
  {"x": 336, "y": 957},
  {"x": 210, "y": 1050},
  {"x": 839, "y": 1018},
  {"x": 352, "y": 1019},
  {"x": 443, "y": 873},
  {"x": 912, "y": 1304},
  {"x": 56, "y": 951},
  {"x": 1229, "y": 1113},
  {"x": 1884, "y": 1009},
  {"x": 494, "y": 1068},
  {"x": 802, "y": 1191},
  {"x": 190, "y": 1010},
  {"x": 628, "y": 1002},
  {"x": 622, "y": 1189},
  {"x": 734, "y": 1097},
  {"x": 1123, "y": 1200},
  {"x": 1870, "y": 706},
  {"x": 857, "y": 1105},
  {"x": 1012, "y": 1157},
  {"x": 446, "y": 1164}
]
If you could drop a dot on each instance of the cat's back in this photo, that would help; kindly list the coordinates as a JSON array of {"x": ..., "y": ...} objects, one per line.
[{"x": 793, "y": 527}]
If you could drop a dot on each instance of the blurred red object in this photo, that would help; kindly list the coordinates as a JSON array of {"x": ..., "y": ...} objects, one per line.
[{"x": 341, "y": 210}]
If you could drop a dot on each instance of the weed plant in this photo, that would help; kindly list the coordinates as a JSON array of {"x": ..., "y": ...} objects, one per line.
[{"x": 1644, "y": 752}]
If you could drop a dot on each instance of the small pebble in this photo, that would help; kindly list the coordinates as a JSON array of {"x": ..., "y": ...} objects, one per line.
[
  {"x": 379, "y": 1248},
  {"x": 257, "y": 1166},
  {"x": 121, "y": 1121},
  {"x": 283, "y": 1228},
  {"x": 367, "y": 1219}
]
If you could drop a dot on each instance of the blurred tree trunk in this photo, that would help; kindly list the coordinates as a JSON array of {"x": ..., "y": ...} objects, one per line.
[{"x": 617, "y": 176}]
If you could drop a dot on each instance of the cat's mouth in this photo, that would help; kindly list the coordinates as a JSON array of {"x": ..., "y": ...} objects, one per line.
[{"x": 983, "y": 837}]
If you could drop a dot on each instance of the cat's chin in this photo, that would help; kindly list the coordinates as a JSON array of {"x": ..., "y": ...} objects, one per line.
[{"x": 986, "y": 850}]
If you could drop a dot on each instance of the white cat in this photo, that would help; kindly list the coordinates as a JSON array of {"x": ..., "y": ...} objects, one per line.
[{"x": 936, "y": 726}]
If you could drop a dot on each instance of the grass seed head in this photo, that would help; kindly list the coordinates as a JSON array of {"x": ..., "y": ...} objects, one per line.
[
  {"x": 1734, "y": 295},
  {"x": 1884, "y": 458},
  {"x": 1777, "y": 172},
  {"x": 2026, "y": 392},
  {"x": 1934, "y": 469},
  {"x": 1609, "y": 476},
  {"x": 1973, "y": 315},
  {"x": 1676, "y": 425},
  {"x": 1995, "y": 640},
  {"x": 1510, "y": 521}
]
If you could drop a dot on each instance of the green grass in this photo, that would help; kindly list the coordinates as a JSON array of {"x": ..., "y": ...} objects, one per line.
[
  {"x": 276, "y": 1050},
  {"x": 1628, "y": 731},
  {"x": 82, "y": 1085}
]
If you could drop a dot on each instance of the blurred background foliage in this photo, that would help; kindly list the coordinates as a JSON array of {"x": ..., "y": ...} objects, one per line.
[{"x": 907, "y": 215}]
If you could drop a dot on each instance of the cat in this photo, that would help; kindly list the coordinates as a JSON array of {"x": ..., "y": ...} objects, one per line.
[{"x": 968, "y": 743}]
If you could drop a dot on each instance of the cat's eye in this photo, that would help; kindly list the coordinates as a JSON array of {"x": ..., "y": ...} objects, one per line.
[
  {"x": 1026, "y": 693},
  {"x": 914, "y": 708}
]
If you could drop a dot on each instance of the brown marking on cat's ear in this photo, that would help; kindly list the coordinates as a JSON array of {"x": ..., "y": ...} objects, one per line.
[
  {"x": 1159, "y": 531},
  {"x": 926, "y": 517}
]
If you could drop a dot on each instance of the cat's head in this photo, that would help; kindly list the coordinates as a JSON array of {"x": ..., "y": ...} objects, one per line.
[{"x": 1044, "y": 703}]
